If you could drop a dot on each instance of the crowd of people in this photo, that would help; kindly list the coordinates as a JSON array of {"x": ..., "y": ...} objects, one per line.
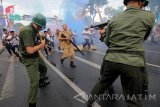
[{"x": 11, "y": 41}]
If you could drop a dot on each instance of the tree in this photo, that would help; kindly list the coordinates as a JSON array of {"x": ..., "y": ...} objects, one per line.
[
  {"x": 154, "y": 5},
  {"x": 110, "y": 11},
  {"x": 91, "y": 8}
]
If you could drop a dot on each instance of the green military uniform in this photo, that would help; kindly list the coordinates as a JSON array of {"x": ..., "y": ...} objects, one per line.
[
  {"x": 33, "y": 62},
  {"x": 125, "y": 35}
]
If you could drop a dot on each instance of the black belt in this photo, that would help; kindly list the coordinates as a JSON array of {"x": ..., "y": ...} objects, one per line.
[
  {"x": 29, "y": 56},
  {"x": 127, "y": 52}
]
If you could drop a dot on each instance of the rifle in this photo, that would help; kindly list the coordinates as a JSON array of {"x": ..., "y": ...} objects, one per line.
[
  {"x": 43, "y": 37},
  {"x": 63, "y": 36},
  {"x": 101, "y": 27}
]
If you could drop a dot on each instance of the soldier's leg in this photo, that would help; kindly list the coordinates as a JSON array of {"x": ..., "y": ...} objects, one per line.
[
  {"x": 13, "y": 48},
  {"x": 8, "y": 49},
  {"x": 88, "y": 43},
  {"x": 110, "y": 89},
  {"x": 65, "y": 54},
  {"x": 72, "y": 55},
  {"x": 17, "y": 48},
  {"x": 85, "y": 43},
  {"x": 46, "y": 51},
  {"x": 42, "y": 68},
  {"x": 49, "y": 48},
  {"x": 32, "y": 67},
  {"x": 43, "y": 73},
  {"x": 109, "y": 72},
  {"x": 53, "y": 44},
  {"x": 145, "y": 81},
  {"x": 59, "y": 45},
  {"x": 131, "y": 79}
]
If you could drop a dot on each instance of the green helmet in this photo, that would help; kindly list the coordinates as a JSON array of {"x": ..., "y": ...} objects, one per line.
[{"x": 40, "y": 20}]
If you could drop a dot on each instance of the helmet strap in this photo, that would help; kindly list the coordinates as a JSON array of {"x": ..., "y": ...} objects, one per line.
[{"x": 34, "y": 29}]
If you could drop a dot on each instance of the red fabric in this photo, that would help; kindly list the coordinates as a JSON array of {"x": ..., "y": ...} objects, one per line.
[{"x": 9, "y": 9}]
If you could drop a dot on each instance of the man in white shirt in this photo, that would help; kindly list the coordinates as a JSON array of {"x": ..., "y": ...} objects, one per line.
[
  {"x": 86, "y": 34},
  {"x": 6, "y": 40},
  {"x": 49, "y": 40},
  {"x": 14, "y": 44}
]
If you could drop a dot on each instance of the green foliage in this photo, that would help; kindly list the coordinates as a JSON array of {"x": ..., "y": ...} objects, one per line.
[
  {"x": 110, "y": 11},
  {"x": 154, "y": 5},
  {"x": 91, "y": 8}
]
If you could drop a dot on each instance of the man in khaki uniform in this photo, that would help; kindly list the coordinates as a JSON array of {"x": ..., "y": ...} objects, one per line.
[
  {"x": 34, "y": 64},
  {"x": 125, "y": 35},
  {"x": 57, "y": 36},
  {"x": 68, "y": 48}
]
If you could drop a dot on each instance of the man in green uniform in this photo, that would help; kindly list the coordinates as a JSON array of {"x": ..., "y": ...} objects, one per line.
[
  {"x": 145, "y": 78},
  {"x": 30, "y": 57},
  {"x": 125, "y": 35}
]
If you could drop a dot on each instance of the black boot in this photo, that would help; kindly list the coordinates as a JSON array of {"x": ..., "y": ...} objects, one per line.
[
  {"x": 62, "y": 61},
  {"x": 111, "y": 92},
  {"x": 145, "y": 90},
  {"x": 19, "y": 57},
  {"x": 72, "y": 65},
  {"x": 44, "y": 82},
  {"x": 59, "y": 48},
  {"x": 32, "y": 105},
  {"x": 90, "y": 102}
]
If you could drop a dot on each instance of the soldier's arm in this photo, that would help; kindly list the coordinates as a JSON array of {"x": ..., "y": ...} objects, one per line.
[
  {"x": 62, "y": 38},
  {"x": 107, "y": 35},
  {"x": 148, "y": 33},
  {"x": 29, "y": 43},
  {"x": 31, "y": 50}
]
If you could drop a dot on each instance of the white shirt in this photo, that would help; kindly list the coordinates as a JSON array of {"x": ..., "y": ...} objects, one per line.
[
  {"x": 15, "y": 41},
  {"x": 86, "y": 34},
  {"x": 49, "y": 38},
  {"x": 9, "y": 38},
  {"x": 3, "y": 36}
]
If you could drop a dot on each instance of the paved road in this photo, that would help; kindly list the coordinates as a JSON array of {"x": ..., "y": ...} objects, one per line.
[{"x": 67, "y": 83}]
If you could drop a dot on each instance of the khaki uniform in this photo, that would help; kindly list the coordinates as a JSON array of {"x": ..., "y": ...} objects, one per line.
[
  {"x": 125, "y": 35},
  {"x": 68, "y": 48},
  {"x": 35, "y": 66},
  {"x": 59, "y": 41}
]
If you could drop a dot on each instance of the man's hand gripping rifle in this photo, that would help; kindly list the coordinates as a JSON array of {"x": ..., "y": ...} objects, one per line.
[
  {"x": 101, "y": 27},
  {"x": 42, "y": 36},
  {"x": 63, "y": 36}
]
